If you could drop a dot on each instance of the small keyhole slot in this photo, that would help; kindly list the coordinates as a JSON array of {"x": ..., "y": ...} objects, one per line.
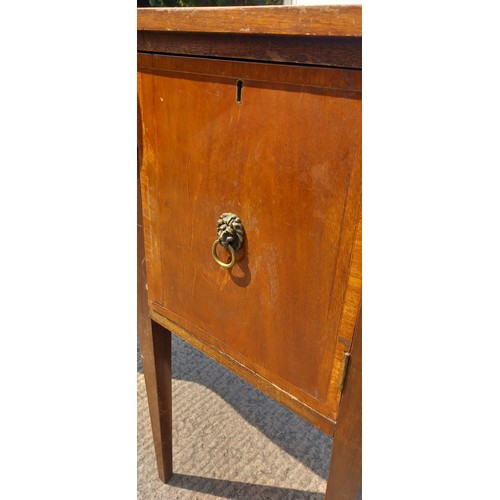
[{"x": 239, "y": 88}]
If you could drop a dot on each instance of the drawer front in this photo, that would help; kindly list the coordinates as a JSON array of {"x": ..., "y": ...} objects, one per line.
[{"x": 283, "y": 153}]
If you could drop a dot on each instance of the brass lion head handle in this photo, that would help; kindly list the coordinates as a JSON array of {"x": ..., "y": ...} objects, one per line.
[{"x": 231, "y": 236}]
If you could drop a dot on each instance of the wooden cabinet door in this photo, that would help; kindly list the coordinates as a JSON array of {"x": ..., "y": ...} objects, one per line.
[{"x": 281, "y": 150}]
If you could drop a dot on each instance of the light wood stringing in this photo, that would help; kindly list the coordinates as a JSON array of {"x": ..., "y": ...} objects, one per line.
[{"x": 346, "y": 84}]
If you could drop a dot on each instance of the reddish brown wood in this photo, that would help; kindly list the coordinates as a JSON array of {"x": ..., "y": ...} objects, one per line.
[
  {"x": 321, "y": 78},
  {"x": 344, "y": 481},
  {"x": 156, "y": 351},
  {"x": 326, "y": 20},
  {"x": 326, "y": 51},
  {"x": 323, "y": 423},
  {"x": 143, "y": 321},
  {"x": 297, "y": 195},
  {"x": 285, "y": 314},
  {"x": 155, "y": 345}
]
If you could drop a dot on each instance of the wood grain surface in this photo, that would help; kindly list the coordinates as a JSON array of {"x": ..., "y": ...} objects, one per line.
[
  {"x": 272, "y": 390},
  {"x": 344, "y": 480},
  {"x": 349, "y": 315},
  {"x": 344, "y": 52},
  {"x": 327, "y": 20},
  {"x": 287, "y": 161},
  {"x": 156, "y": 354},
  {"x": 322, "y": 78}
]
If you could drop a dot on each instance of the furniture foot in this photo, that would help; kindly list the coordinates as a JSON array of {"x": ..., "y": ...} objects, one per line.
[
  {"x": 344, "y": 480},
  {"x": 156, "y": 352}
]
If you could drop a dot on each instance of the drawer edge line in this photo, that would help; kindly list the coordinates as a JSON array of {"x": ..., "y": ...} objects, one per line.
[{"x": 317, "y": 419}]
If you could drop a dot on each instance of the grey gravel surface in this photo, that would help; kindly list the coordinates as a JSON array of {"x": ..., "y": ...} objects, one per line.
[{"x": 230, "y": 440}]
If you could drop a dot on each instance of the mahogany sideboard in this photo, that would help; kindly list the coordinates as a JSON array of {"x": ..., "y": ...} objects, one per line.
[{"x": 250, "y": 172}]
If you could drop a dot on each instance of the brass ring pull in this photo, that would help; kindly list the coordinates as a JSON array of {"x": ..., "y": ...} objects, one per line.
[
  {"x": 231, "y": 237},
  {"x": 230, "y": 264}
]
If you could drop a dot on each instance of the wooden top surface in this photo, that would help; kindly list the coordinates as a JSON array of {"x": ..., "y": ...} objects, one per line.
[{"x": 325, "y": 20}]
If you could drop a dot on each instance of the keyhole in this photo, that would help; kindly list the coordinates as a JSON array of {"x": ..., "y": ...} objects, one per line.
[{"x": 239, "y": 88}]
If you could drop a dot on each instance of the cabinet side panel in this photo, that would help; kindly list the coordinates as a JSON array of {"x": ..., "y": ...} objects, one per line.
[{"x": 285, "y": 159}]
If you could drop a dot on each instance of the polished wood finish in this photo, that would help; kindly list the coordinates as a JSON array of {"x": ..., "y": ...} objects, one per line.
[
  {"x": 350, "y": 308},
  {"x": 326, "y": 20},
  {"x": 287, "y": 160},
  {"x": 143, "y": 319},
  {"x": 272, "y": 390},
  {"x": 344, "y": 480},
  {"x": 258, "y": 73},
  {"x": 342, "y": 52},
  {"x": 156, "y": 354},
  {"x": 274, "y": 312}
]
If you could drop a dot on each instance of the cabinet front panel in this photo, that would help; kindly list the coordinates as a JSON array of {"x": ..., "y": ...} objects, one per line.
[{"x": 282, "y": 159}]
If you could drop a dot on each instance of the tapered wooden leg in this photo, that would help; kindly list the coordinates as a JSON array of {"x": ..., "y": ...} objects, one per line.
[
  {"x": 156, "y": 352},
  {"x": 344, "y": 480}
]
